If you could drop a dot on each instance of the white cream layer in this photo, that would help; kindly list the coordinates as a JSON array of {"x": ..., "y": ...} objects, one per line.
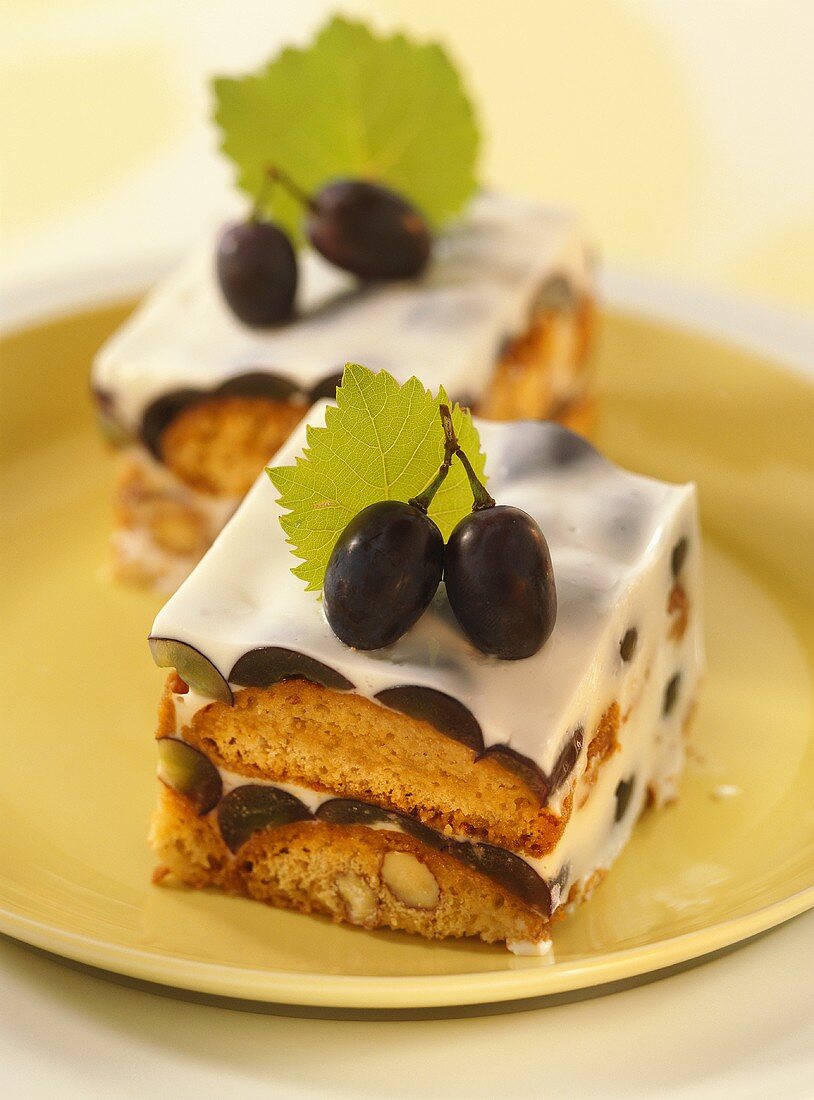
[
  {"x": 611, "y": 535},
  {"x": 446, "y": 327}
]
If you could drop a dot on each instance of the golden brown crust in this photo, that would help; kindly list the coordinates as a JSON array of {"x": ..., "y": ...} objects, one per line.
[
  {"x": 523, "y": 383},
  {"x": 601, "y": 747},
  {"x": 303, "y": 733},
  {"x": 219, "y": 446},
  {"x": 344, "y": 872},
  {"x": 678, "y": 608},
  {"x": 342, "y": 743},
  {"x": 580, "y": 415},
  {"x": 587, "y": 325}
]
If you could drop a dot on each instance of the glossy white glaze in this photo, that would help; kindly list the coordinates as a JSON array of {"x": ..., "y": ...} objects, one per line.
[
  {"x": 611, "y": 535},
  {"x": 447, "y": 326}
]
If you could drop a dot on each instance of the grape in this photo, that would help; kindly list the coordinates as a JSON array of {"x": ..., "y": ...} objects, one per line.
[
  {"x": 500, "y": 583},
  {"x": 368, "y": 230},
  {"x": 325, "y": 388},
  {"x": 254, "y": 806},
  {"x": 382, "y": 574},
  {"x": 185, "y": 769},
  {"x": 257, "y": 272}
]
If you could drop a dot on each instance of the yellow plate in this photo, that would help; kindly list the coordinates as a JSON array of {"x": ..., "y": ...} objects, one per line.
[{"x": 77, "y": 786}]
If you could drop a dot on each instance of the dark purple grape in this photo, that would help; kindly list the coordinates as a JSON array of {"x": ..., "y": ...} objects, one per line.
[
  {"x": 368, "y": 230},
  {"x": 627, "y": 646},
  {"x": 624, "y": 789},
  {"x": 447, "y": 714},
  {"x": 671, "y": 694},
  {"x": 326, "y": 388},
  {"x": 185, "y": 769},
  {"x": 526, "y": 770},
  {"x": 679, "y": 556},
  {"x": 257, "y": 272},
  {"x": 161, "y": 412},
  {"x": 272, "y": 664},
  {"x": 255, "y": 806},
  {"x": 508, "y": 870},
  {"x": 500, "y": 582},
  {"x": 382, "y": 574},
  {"x": 347, "y": 811}
]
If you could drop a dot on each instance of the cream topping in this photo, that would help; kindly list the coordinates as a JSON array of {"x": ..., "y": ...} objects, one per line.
[
  {"x": 447, "y": 326},
  {"x": 611, "y": 535}
]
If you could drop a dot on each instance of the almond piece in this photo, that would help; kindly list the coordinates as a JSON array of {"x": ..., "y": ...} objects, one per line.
[
  {"x": 410, "y": 881},
  {"x": 359, "y": 899}
]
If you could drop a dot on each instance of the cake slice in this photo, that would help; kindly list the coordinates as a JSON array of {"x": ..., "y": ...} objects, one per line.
[
  {"x": 196, "y": 401},
  {"x": 428, "y": 787}
]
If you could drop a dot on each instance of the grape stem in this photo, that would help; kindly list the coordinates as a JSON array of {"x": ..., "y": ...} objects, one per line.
[
  {"x": 277, "y": 175},
  {"x": 261, "y": 198},
  {"x": 480, "y": 497},
  {"x": 424, "y": 498}
]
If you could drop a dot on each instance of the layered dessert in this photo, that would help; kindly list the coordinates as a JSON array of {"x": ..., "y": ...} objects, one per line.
[
  {"x": 368, "y": 239},
  {"x": 455, "y": 781},
  {"x": 197, "y": 401}
]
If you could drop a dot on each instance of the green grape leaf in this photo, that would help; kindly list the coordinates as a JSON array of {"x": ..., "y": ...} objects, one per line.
[
  {"x": 353, "y": 104},
  {"x": 381, "y": 441}
]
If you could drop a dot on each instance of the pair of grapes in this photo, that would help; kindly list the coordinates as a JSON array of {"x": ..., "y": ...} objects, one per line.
[
  {"x": 359, "y": 226},
  {"x": 388, "y": 562}
]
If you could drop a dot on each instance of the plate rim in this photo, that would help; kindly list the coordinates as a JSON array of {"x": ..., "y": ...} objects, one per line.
[
  {"x": 782, "y": 337},
  {"x": 401, "y": 991},
  {"x": 777, "y": 333}
]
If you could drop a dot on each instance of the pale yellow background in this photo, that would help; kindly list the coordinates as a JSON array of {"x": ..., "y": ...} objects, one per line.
[{"x": 682, "y": 129}]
